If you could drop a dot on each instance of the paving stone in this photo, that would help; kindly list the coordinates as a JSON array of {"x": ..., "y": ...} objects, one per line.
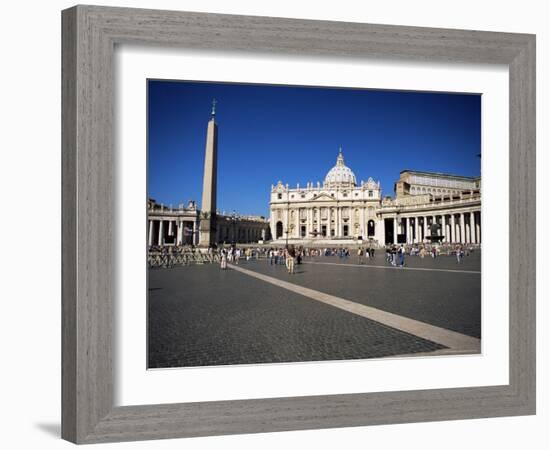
[{"x": 203, "y": 316}]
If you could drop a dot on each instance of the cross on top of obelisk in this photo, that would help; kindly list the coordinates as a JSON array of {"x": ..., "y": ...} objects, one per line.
[{"x": 213, "y": 113}]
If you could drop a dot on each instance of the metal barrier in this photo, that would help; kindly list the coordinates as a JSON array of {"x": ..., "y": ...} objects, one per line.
[{"x": 167, "y": 259}]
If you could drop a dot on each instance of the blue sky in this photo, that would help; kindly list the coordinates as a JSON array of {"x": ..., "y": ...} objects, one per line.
[{"x": 268, "y": 133}]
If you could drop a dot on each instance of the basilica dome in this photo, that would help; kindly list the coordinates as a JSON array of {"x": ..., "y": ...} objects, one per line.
[{"x": 340, "y": 174}]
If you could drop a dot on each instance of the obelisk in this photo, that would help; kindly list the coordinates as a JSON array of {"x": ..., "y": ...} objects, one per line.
[{"x": 207, "y": 229}]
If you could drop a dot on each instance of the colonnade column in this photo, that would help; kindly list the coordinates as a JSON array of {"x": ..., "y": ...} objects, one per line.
[
  {"x": 194, "y": 237},
  {"x": 472, "y": 228},
  {"x": 462, "y": 229},
  {"x": 151, "y": 228},
  {"x": 407, "y": 230},
  {"x": 478, "y": 228},
  {"x": 161, "y": 232},
  {"x": 444, "y": 228},
  {"x": 395, "y": 230},
  {"x": 426, "y": 232},
  {"x": 170, "y": 228},
  {"x": 453, "y": 228},
  {"x": 179, "y": 237}
]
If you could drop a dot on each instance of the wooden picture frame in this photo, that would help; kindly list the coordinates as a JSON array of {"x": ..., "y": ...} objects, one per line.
[{"x": 89, "y": 37}]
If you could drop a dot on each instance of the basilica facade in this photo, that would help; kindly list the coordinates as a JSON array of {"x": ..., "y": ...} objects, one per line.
[{"x": 426, "y": 207}]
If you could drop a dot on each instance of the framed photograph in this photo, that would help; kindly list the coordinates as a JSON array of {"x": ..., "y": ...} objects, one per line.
[{"x": 268, "y": 222}]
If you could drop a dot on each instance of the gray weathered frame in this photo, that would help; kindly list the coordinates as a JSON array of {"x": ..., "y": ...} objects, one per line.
[{"x": 89, "y": 36}]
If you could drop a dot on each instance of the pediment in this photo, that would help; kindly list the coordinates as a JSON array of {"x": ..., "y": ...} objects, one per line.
[{"x": 322, "y": 196}]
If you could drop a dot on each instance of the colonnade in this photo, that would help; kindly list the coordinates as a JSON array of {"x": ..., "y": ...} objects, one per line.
[
  {"x": 186, "y": 232},
  {"x": 240, "y": 232},
  {"x": 460, "y": 227},
  {"x": 170, "y": 231}
]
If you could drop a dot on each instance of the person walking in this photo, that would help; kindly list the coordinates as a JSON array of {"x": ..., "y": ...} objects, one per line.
[
  {"x": 223, "y": 259},
  {"x": 291, "y": 255},
  {"x": 458, "y": 250},
  {"x": 401, "y": 256},
  {"x": 360, "y": 255}
]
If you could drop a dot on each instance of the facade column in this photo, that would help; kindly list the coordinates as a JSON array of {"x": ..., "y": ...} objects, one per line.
[
  {"x": 151, "y": 228},
  {"x": 170, "y": 228},
  {"x": 472, "y": 228},
  {"x": 329, "y": 219},
  {"x": 416, "y": 230},
  {"x": 408, "y": 228},
  {"x": 444, "y": 227},
  {"x": 395, "y": 230},
  {"x": 338, "y": 222},
  {"x": 462, "y": 229},
  {"x": 362, "y": 228}
]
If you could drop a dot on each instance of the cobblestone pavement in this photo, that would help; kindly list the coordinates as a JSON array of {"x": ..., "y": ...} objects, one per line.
[
  {"x": 450, "y": 300},
  {"x": 201, "y": 315}
]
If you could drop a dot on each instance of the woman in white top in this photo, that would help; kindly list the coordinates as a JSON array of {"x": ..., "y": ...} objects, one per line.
[{"x": 223, "y": 260}]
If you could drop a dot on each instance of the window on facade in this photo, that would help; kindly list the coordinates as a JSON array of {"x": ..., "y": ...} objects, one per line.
[
  {"x": 370, "y": 193},
  {"x": 279, "y": 196}
]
